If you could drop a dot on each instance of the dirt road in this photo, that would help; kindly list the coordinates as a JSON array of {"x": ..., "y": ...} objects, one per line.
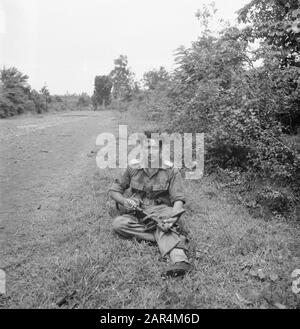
[{"x": 40, "y": 157}]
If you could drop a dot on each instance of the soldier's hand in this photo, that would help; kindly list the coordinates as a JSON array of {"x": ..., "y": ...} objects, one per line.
[
  {"x": 170, "y": 221},
  {"x": 130, "y": 203}
]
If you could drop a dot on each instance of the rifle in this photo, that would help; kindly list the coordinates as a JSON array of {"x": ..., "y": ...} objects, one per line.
[{"x": 151, "y": 220}]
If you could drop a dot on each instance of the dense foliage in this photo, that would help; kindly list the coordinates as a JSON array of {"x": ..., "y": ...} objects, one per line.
[
  {"x": 102, "y": 91},
  {"x": 277, "y": 22},
  {"x": 84, "y": 101},
  {"x": 14, "y": 93},
  {"x": 122, "y": 80},
  {"x": 17, "y": 97},
  {"x": 245, "y": 101}
]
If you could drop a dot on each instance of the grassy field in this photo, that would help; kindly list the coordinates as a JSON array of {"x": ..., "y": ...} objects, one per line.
[{"x": 239, "y": 261}]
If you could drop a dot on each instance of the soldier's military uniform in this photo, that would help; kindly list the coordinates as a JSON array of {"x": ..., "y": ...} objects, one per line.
[{"x": 158, "y": 191}]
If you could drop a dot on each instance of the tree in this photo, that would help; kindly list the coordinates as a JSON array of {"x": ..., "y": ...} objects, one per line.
[
  {"x": 102, "y": 91},
  {"x": 84, "y": 100},
  {"x": 244, "y": 108},
  {"x": 38, "y": 101},
  {"x": 15, "y": 92},
  {"x": 154, "y": 78},
  {"x": 216, "y": 89},
  {"x": 277, "y": 23},
  {"x": 122, "y": 79},
  {"x": 46, "y": 95},
  {"x": 58, "y": 99}
]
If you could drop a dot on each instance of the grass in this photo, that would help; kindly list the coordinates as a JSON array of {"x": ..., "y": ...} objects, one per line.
[{"x": 239, "y": 261}]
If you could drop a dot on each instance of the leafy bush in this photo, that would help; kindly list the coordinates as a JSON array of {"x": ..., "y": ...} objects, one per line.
[
  {"x": 84, "y": 101},
  {"x": 16, "y": 96},
  {"x": 276, "y": 200},
  {"x": 15, "y": 92},
  {"x": 38, "y": 101},
  {"x": 244, "y": 109}
]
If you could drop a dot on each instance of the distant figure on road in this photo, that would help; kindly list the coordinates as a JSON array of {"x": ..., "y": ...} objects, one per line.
[{"x": 154, "y": 206}]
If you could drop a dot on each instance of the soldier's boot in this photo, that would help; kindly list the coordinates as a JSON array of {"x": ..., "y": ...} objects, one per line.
[
  {"x": 180, "y": 263},
  {"x": 178, "y": 269}
]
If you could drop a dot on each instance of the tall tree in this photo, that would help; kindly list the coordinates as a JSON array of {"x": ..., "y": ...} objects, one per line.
[
  {"x": 38, "y": 101},
  {"x": 83, "y": 101},
  {"x": 122, "y": 79},
  {"x": 154, "y": 78},
  {"x": 46, "y": 95},
  {"x": 102, "y": 91},
  {"x": 15, "y": 92},
  {"x": 276, "y": 22}
]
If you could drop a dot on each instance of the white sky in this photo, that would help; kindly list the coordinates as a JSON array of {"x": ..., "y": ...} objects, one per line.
[{"x": 66, "y": 43}]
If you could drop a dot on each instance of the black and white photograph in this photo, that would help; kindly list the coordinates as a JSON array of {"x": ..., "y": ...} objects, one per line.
[{"x": 149, "y": 157}]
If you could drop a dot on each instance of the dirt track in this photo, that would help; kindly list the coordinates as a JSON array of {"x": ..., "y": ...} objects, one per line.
[{"x": 40, "y": 157}]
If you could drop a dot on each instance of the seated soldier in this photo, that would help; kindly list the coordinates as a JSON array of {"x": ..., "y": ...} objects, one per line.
[{"x": 159, "y": 192}]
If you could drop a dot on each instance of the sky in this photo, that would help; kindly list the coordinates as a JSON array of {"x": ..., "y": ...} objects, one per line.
[{"x": 66, "y": 43}]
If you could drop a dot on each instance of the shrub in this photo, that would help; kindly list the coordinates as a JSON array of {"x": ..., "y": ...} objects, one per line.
[{"x": 276, "y": 200}]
